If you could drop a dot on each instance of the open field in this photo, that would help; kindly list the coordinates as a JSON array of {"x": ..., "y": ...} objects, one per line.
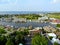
[
  {"x": 29, "y": 16},
  {"x": 54, "y": 15}
]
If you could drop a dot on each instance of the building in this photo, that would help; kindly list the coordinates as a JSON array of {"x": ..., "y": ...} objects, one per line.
[
  {"x": 51, "y": 35},
  {"x": 43, "y": 18},
  {"x": 54, "y": 21},
  {"x": 58, "y": 34},
  {"x": 19, "y": 19},
  {"x": 35, "y": 31},
  {"x": 49, "y": 29},
  {"x": 55, "y": 40},
  {"x": 8, "y": 19}
]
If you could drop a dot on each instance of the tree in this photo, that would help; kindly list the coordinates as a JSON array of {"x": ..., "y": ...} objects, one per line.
[
  {"x": 19, "y": 39},
  {"x": 2, "y": 31},
  {"x": 39, "y": 40},
  {"x": 26, "y": 32},
  {"x": 2, "y": 40},
  {"x": 56, "y": 43},
  {"x": 9, "y": 42}
]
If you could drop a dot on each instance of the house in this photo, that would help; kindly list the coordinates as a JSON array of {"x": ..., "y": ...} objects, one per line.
[
  {"x": 35, "y": 31},
  {"x": 43, "y": 18},
  {"x": 49, "y": 29},
  {"x": 19, "y": 19},
  {"x": 58, "y": 34},
  {"x": 41, "y": 14},
  {"x": 51, "y": 35},
  {"x": 54, "y": 21},
  {"x": 8, "y": 27},
  {"x": 8, "y": 19},
  {"x": 55, "y": 40}
]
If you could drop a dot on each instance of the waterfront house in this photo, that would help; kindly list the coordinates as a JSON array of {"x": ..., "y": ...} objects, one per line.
[
  {"x": 53, "y": 35},
  {"x": 58, "y": 34},
  {"x": 54, "y": 21},
  {"x": 43, "y": 18},
  {"x": 55, "y": 40},
  {"x": 19, "y": 19},
  {"x": 8, "y": 19},
  {"x": 35, "y": 31},
  {"x": 49, "y": 29}
]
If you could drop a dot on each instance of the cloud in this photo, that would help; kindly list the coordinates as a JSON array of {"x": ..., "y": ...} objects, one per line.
[
  {"x": 55, "y": 1},
  {"x": 7, "y": 1}
]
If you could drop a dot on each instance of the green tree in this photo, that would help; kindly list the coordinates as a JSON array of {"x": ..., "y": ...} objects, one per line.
[
  {"x": 9, "y": 42},
  {"x": 58, "y": 25},
  {"x": 2, "y": 40},
  {"x": 26, "y": 32},
  {"x": 56, "y": 43},
  {"x": 39, "y": 40},
  {"x": 2, "y": 31},
  {"x": 19, "y": 39}
]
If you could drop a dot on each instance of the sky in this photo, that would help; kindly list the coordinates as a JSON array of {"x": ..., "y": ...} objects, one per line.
[{"x": 30, "y": 5}]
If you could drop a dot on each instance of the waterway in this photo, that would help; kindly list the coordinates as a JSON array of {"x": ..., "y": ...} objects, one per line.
[{"x": 27, "y": 24}]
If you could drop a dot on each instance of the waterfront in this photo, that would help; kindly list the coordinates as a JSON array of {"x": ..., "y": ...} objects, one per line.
[{"x": 27, "y": 24}]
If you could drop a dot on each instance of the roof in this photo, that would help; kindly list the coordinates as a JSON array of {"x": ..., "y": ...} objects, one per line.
[
  {"x": 51, "y": 34},
  {"x": 34, "y": 30},
  {"x": 58, "y": 33},
  {"x": 43, "y": 18},
  {"x": 55, "y": 40},
  {"x": 49, "y": 29}
]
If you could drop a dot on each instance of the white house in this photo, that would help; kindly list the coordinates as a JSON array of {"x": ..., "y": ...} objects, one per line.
[
  {"x": 55, "y": 40},
  {"x": 52, "y": 35},
  {"x": 43, "y": 18}
]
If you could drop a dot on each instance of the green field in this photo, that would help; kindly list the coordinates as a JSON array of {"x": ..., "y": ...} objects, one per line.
[
  {"x": 29, "y": 16},
  {"x": 58, "y": 25},
  {"x": 54, "y": 15}
]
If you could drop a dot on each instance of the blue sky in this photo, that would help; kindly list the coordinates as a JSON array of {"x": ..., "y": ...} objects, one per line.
[{"x": 29, "y": 5}]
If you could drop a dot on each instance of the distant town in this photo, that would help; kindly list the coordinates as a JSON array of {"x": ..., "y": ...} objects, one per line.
[{"x": 30, "y": 29}]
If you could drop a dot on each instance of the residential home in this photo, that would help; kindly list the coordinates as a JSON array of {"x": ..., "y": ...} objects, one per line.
[
  {"x": 19, "y": 19},
  {"x": 35, "y": 31},
  {"x": 55, "y": 40},
  {"x": 43, "y": 18},
  {"x": 8, "y": 19},
  {"x": 54, "y": 21},
  {"x": 49, "y": 29},
  {"x": 51, "y": 35},
  {"x": 58, "y": 34}
]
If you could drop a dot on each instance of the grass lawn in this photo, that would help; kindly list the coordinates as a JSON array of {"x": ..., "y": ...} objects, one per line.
[
  {"x": 58, "y": 25},
  {"x": 54, "y": 15},
  {"x": 31, "y": 16}
]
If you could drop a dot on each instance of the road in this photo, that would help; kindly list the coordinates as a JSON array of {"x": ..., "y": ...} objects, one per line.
[{"x": 28, "y": 41}]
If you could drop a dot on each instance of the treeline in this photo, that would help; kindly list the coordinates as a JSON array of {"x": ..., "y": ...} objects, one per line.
[
  {"x": 54, "y": 13},
  {"x": 14, "y": 38}
]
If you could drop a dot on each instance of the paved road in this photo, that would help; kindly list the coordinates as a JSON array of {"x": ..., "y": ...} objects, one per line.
[
  {"x": 49, "y": 43},
  {"x": 28, "y": 41}
]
